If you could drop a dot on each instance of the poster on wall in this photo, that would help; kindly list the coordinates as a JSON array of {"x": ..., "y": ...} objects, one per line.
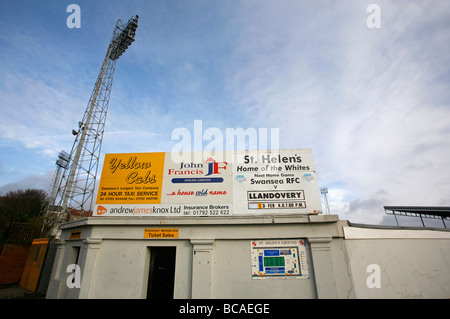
[
  {"x": 283, "y": 258},
  {"x": 235, "y": 183}
]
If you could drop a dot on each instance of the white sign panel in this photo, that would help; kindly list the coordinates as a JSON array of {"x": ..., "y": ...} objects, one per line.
[{"x": 284, "y": 182}]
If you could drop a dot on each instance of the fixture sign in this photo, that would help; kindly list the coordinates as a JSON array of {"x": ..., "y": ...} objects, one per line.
[
  {"x": 279, "y": 258},
  {"x": 230, "y": 183}
]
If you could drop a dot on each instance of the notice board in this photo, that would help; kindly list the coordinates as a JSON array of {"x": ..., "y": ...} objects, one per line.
[
  {"x": 279, "y": 258},
  {"x": 201, "y": 184}
]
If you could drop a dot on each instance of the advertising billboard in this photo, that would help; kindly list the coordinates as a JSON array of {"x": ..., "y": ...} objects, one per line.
[{"x": 232, "y": 183}]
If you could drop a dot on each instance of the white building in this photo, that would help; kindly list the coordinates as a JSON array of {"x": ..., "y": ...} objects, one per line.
[{"x": 219, "y": 257}]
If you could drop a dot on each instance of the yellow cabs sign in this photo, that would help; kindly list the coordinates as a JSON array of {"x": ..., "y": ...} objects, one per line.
[{"x": 131, "y": 178}]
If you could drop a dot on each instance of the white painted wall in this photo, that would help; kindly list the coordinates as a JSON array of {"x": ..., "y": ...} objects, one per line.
[{"x": 412, "y": 263}]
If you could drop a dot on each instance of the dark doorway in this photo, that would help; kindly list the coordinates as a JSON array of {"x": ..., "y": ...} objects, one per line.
[{"x": 162, "y": 273}]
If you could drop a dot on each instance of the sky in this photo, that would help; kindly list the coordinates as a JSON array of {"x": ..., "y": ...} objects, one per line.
[{"x": 372, "y": 103}]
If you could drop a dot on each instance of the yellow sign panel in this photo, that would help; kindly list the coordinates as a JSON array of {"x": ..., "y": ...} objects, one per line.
[
  {"x": 76, "y": 234},
  {"x": 161, "y": 233},
  {"x": 39, "y": 241},
  {"x": 131, "y": 179}
]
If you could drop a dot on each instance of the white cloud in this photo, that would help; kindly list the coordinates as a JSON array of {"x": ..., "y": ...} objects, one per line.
[
  {"x": 370, "y": 103},
  {"x": 36, "y": 114},
  {"x": 31, "y": 181}
]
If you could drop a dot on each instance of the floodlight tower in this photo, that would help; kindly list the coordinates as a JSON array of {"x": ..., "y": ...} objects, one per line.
[
  {"x": 324, "y": 191},
  {"x": 61, "y": 164},
  {"x": 77, "y": 185},
  {"x": 46, "y": 211}
]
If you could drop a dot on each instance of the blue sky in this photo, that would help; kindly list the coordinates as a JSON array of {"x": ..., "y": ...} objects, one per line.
[{"x": 372, "y": 104}]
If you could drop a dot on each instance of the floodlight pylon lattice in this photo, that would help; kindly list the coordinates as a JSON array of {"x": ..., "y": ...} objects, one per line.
[
  {"x": 61, "y": 164},
  {"x": 324, "y": 191},
  {"x": 74, "y": 195}
]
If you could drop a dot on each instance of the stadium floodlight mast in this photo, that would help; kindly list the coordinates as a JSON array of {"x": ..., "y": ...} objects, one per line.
[
  {"x": 324, "y": 191},
  {"x": 77, "y": 185},
  {"x": 61, "y": 164}
]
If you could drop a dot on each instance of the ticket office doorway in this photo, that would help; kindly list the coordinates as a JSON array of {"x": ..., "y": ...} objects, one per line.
[{"x": 161, "y": 276}]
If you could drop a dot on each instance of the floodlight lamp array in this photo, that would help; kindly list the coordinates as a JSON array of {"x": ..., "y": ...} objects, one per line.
[
  {"x": 124, "y": 39},
  {"x": 63, "y": 160}
]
